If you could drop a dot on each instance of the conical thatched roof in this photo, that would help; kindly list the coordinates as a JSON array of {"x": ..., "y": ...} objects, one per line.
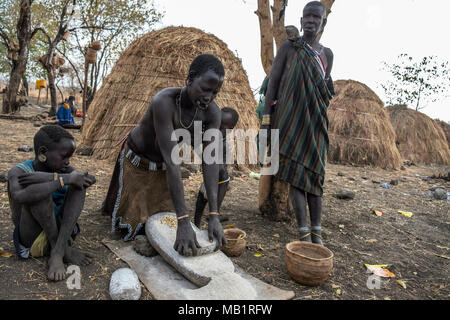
[
  {"x": 419, "y": 138},
  {"x": 158, "y": 60},
  {"x": 446, "y": 128},
  {"x": 359, "y": 128}
]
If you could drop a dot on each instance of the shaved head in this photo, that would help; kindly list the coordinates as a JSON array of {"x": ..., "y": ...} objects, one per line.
[{"x": 318, "y": 4}]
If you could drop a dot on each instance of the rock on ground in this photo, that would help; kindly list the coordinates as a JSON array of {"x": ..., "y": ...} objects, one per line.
[
  {"x": 345, "y": 194},
  {"x": 124, "y": 285}
]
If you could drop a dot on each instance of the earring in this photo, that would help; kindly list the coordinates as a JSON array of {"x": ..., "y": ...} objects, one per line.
[{"x": 42, "y": 158}]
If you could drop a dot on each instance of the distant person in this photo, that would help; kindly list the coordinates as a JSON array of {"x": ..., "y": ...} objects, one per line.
[
  {"x": 229, "y": 120},
  {"x": 64, "y": 114},
  {"x": 73, "y": 108},
  {"x": 296, "y": 101},
  {"x": 46, "y": 197}
]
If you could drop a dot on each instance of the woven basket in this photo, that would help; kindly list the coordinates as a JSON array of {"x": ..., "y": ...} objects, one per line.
[
  {"x": 236, "y": 242},
  {"x": 308, "y": 263},
  {"x": 96, "y": 45},
  {"x": 91, "y": 56},
  {"x": 58, "y": 61}
]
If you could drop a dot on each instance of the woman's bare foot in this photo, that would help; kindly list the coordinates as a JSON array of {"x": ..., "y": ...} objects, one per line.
[
  {"x": 75, "y": 256},
  {"x": 56, "y": 269}
]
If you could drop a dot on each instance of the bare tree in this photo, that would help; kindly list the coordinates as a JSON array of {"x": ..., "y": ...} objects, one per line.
[
  {"x": 18, "y": 55},
  {"x": 50, "y": 63},
  {"x": 272, "y": 27}
]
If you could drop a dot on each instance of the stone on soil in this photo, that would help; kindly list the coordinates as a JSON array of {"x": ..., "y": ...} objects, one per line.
[
  {"x": 124, "y": 285},
  {"x": 345, "y": 194}
]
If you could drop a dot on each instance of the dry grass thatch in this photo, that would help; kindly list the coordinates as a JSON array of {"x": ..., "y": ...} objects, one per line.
[
  {"x": 418, "y": 137},
  {"x": 359, "y": 128},
  {"x": 158, "y": 60},
  {"x": 446, "y": 128}
]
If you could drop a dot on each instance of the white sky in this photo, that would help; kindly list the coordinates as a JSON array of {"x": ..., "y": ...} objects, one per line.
[{"x": 361, "y": 34}]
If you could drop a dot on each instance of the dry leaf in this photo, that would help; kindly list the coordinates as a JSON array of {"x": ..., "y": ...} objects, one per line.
[
  {"x": 400, "y": 282},
  {"x": 5, "y": 254},
  {"x": 276, "y": 235},
  {"x": 229, "y": 225},
  {"x": 378, "y": 213},
  {"x": 380, "y": 270},
  {"x": 371, "y": 240},
  {"x": 334, "y": 286},
  {"x": 405, "y": 213},
  {"x": 338, "y": 292}
]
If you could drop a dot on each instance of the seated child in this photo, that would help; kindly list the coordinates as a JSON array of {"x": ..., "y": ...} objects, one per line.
[
  {"x": 64, "y": 114},
  {"x": 46, "y": 197},
  {"x": 229, "y": 119}
]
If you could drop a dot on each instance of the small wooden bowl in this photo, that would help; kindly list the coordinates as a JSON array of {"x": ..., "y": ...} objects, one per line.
[
  {"x": 236, "y": 242},
  {"x": 308, "y": 263}
]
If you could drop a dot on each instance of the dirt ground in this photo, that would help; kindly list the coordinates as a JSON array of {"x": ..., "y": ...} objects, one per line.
[{"x": 415, "y": 247}]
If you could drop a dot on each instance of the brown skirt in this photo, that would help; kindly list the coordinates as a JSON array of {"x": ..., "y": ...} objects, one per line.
[{"x": 142, "y": 192}]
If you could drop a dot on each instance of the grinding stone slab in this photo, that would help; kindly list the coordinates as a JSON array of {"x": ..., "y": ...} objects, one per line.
[
  {"x": 165, "y": 283},
  {"x": 198, "y": 269}
]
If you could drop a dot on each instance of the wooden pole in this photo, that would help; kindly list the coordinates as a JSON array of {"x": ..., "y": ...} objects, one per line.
[
  {"x": 39, "y": 96},
  {"x": 86, "y": 72}
]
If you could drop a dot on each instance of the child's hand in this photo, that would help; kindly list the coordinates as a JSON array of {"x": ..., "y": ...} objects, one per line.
[{"x": 81, "y": 179}]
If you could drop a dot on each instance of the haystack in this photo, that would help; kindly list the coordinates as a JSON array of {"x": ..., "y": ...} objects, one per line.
[
  {"x": 158, "y": 60},
  {"x": 418, "y": 137},
  {"x": 446, "y": 128},
  {"x": 359, "y": 128}
]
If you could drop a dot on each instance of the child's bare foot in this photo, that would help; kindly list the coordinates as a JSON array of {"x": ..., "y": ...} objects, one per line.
[
  {"x": 56, "y": 270},
  {"x": 75, "y": 256}
]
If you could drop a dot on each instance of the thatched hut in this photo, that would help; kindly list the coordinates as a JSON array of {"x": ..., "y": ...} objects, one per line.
[
  {"x": 446, "y": 128},
  {"x": 158, "y": 60},
  {"x": 359, "y": 128},
  {"x": 418, "y": 137}
]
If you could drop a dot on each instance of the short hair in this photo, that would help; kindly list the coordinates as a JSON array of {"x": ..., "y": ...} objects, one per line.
[
  {"x": 71, "y": 98},
  {"x": 49, "y": 135},
  {"x": 203, "y": 63},
  {"x": 316, "y": 3},
  {"x": 234, "y": 114},
  {"x": 292, "y": 32}
]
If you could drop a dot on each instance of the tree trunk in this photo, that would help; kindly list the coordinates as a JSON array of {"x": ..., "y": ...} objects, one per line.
[
  {"x": 52, "y": 88},
  {"x": 265, "y": 26},
  {"x": 279, "y": 32},
  {"x": 11, "y": 103},
  {"x": 328, "y": 4}
]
